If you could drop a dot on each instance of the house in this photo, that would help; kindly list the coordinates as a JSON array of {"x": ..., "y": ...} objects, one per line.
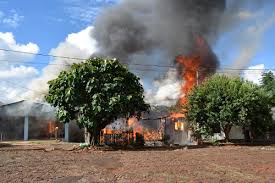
[
  {"x": 178, "y": 132},
  {"x": 24, "y": 120}
]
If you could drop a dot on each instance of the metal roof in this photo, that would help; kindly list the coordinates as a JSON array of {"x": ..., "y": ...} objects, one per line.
[{"x": 30, "y": 108}]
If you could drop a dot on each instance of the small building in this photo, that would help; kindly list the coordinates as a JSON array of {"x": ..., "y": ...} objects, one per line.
[
  {"x": 178, "y": 132},
  {"x": 24, "y": 120}
]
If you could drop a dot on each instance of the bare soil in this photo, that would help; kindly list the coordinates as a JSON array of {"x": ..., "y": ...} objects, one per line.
[{"x": 212, "y": 164}]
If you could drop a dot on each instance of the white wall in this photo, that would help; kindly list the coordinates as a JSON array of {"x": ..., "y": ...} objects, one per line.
[{"x": 236, "y": 133}]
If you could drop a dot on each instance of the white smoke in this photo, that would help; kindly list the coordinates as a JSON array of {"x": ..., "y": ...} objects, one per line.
[{"x": 166, "y": 91}]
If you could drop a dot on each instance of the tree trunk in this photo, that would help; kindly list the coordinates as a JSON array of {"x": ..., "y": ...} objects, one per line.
[
  {"x": 246, "y": 133},
  {"x": 94, "y": 137},
  {"x": 87, "y": 136},
  {"x": 226, "y": 131}
]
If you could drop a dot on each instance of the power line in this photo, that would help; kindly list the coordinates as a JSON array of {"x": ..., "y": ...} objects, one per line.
[
  {"x": 221, "y": 71},
  {"x": 129, "y": 64},
  {"x": 41, "y": 54},
  {"x": 224, "y": 70},
  {"x": 175, "y": 69},
  {"x": 26, "y": 88}
]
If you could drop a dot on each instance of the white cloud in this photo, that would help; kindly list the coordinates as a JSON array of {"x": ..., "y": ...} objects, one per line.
[
  {"x": 7, "y": 41},
  {"x": 18, "y": 72},
  {"x": 13, "y": 78},
  {"x": 12, "y": 19},
  {"x": 83, "y": 40},
  {"x": 77, "y": 45},
  {"x": 13, "y": 82},
  {"x": 254, "y": 73}
]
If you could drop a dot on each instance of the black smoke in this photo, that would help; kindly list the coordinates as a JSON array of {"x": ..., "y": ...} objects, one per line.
[{"x": 133, "y": 31}]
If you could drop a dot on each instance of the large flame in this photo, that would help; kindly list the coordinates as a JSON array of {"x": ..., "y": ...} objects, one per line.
[
  {"x": 190, "y": 75},
  {"x": 149, "y": 135},
  {"x": 191, "y": 72},
  {"x": 192, "y": 67}
]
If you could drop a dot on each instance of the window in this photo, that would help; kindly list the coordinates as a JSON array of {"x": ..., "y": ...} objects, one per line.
[{"x": 179, "y": 126}]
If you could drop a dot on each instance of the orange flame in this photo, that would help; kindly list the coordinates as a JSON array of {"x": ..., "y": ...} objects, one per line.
[
  {"x": 177, "y": 115},
  {"x": 149, "y": 135},
  {"x": 136, "y": 127},
  {"x": 192, "y": 65},
  {"x": 191, "y": 74}
]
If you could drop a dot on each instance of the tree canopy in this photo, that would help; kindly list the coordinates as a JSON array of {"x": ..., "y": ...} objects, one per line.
[
  {"x": 268, "y": 82},
  {"x": 222, "y": 102},
  {"x": 95, "y": 93}
]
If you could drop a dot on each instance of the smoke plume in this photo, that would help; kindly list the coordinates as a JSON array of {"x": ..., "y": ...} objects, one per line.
[
  {"x": 154, "y": 32},
  {"x": 135, "y": 32},
  {"x": 133, "y": 28}
]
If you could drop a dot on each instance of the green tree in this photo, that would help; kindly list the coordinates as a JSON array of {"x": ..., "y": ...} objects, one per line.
[
  {"x": 222, "y": 102},
  {"x": 95, "y": 93},
  {"x": 268, "y": 82}
]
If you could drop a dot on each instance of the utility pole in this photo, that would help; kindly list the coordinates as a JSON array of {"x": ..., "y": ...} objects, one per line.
[{"x": 197, "y": 77}]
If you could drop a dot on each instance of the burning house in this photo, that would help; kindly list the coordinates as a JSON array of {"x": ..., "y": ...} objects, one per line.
[
  {"x": 26, "y": 120},
  {"x": 146, "y": 35}
]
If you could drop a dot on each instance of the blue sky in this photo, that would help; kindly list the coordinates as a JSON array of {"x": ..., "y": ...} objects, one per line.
[
  {"x": 267, "y": 53},
  {"x": 49, "y": 25},
  {"x": 229, "y": 44}
]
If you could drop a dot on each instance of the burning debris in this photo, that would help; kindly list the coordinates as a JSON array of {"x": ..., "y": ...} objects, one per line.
[{"x": 132, "y": 131}]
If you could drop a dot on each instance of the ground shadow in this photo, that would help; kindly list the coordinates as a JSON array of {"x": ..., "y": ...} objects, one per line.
[{"x": 4, "y": 144}]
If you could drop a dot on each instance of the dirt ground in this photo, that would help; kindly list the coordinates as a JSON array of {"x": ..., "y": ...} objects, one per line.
[{"x": 212, "y": 164}]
